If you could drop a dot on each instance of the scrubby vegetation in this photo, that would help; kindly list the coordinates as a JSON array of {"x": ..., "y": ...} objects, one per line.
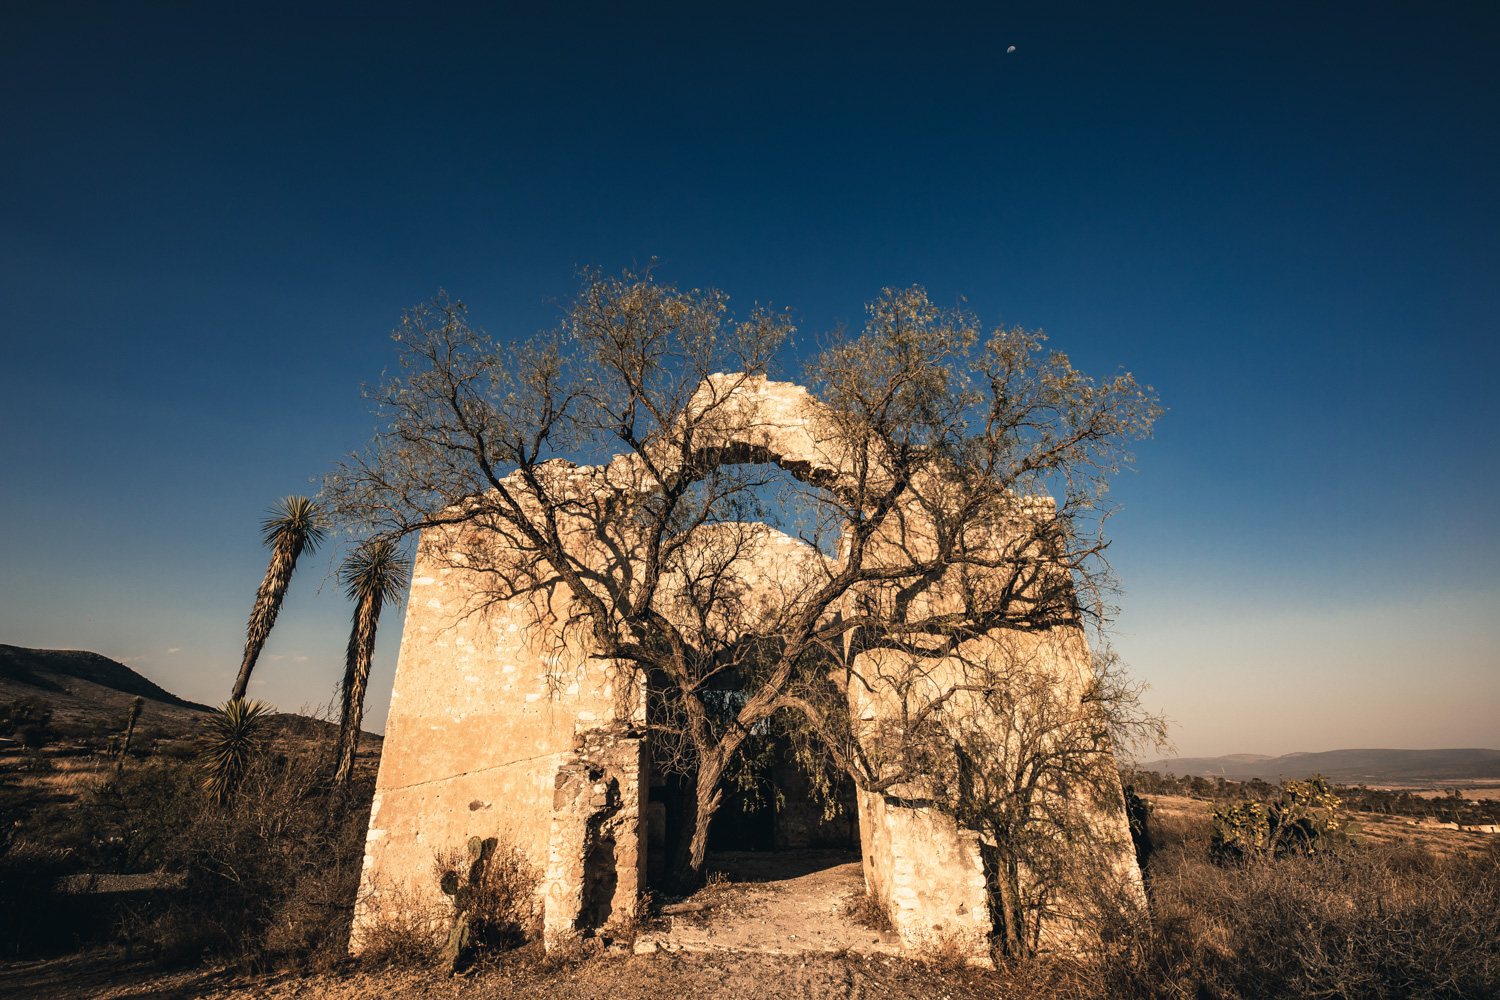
[
  {"x": 1452, "y": 807},
  {"x": 493, "y": 887},
  {"x": 1303, "y": 820},
  {"x": 268, "y": 880},
  {"x": 1370, "y": 923},
  {"x": 265, "y": 878}
]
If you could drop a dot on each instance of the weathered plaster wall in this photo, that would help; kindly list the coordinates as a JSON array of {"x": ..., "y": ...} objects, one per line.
[
  {"x": 928, "y": 872},
  {"x": 486, "y": 709}
]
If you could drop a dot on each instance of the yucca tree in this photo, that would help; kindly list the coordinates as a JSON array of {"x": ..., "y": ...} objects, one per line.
[
  {"x": 373, "y": 575},
  {"x": 232, "y": 737},
  {"x": 293, "y": 525},
  {"x": 131, "y": 715}
]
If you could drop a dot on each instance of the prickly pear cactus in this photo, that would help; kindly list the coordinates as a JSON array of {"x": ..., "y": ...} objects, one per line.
[
  {"x": 1138, "y": 812},
  {"x": 1240, "y": 831},
  {"x": 1304, "y": 820}
]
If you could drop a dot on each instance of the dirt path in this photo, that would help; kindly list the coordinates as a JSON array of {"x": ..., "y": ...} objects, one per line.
[{"x": 787, "y": 903}]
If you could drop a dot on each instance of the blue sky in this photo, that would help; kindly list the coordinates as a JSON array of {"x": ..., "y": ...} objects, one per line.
[{"x": 1284, "y": 219}]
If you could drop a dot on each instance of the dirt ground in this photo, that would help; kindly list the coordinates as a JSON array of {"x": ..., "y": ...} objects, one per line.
[
  {"x": 786, "y": 903},
  {"x": 772, "y": 925},
  {"x": 670, "y": 975}
]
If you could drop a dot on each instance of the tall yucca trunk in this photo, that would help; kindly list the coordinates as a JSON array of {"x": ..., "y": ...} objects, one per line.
[
  {"x": 372, "y": 575},
  {"x": 357, "y": 662},
  {"x": 267, "y": 605},
  {"x": 132, "y": 714}
]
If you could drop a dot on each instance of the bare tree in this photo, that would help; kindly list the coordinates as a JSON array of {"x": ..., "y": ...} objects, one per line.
[
  {"x": 1013, "y": 736},
  {"x": 927, "y": 445}
]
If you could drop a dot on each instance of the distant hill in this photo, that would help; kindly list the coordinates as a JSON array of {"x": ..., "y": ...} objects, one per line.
[
  {"x": 89, "y": 693},
  {"x": 46, "y": 669},
  {"x": 1345, "y": 766}
]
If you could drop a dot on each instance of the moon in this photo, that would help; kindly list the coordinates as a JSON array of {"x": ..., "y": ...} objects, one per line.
[{"x": 1010, "y": 50}]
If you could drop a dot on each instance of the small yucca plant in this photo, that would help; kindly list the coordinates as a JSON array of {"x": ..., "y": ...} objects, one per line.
[{"x": 232, "y": 738}]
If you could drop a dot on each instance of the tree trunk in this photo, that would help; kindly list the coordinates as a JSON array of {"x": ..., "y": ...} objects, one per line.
[
  {"x": 687, "y": 865},
  {"x": 242, "y": 681},
  {"x": 356, "y": 677},
  {"x": 125, "y": 750},
  {"x": 263, "y": 616},
  {"x": 1010, "y": 911}
]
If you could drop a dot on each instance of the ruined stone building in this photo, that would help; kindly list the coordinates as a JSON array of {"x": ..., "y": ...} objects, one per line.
[{"x": 501, "y": 725}]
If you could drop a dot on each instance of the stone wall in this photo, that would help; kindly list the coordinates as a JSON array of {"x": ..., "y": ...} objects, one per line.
[
  {"x": 927, "y": 872},
  {"x": 488, "y": 712},
  {"x": 502, "y": 725},
  {"x": 596, "y": 861},
  {"x": 801, "y": 821}
]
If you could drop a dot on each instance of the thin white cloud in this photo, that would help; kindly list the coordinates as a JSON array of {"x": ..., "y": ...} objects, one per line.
[{"x": 175, "y": 649}]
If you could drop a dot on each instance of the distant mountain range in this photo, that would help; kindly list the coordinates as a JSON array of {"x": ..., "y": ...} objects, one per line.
[
  {"x": 1345, "y": 766},
  {"x": 88, "y": 688}
]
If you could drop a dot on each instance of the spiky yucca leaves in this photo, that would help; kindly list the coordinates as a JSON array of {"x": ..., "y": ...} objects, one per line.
[
  {"x": 231, "y": 739},
  {"x": 373, "y": 575},
  {"x": 293, "y": 525}
]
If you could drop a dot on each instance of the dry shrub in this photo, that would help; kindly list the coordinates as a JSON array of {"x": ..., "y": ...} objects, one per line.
[
  {"x": 266, "y": 880},
  {"x": 869, "y": 909},
  {"x": 498, "y": 889},
  {"x": 402, "y": 930},
  {"x": 272, "y": 876},
  {"x": 1367, "y": 925},
  {"x": 1374, "y": 924},
  {"x": 946, "y": 953}
]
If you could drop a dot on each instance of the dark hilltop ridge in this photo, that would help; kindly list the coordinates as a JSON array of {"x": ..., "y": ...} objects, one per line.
[
  {"x": 88, "y": 694},
  {"x": 1352, "y": 767},
  {"x": 53, "y": 670}
]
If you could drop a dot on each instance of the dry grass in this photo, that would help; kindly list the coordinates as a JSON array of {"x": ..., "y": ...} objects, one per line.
[
  {"x": 267, "y": 881},
  {"x": 946, "y": 954},
  {"x": 1385, "y": 922},
  {"x": 402, "y": 930},
  {"x": 869, "y": 909}
]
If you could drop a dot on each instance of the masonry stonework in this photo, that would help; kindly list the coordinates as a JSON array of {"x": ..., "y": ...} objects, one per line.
[{"x": 502, "y": 724}]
